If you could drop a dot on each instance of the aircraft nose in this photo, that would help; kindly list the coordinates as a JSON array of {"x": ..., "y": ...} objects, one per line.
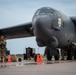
[
  {"x": 45, "y": 22},
  {"x": 42, "y": 21},
  {"x": 41, "y": 26}
]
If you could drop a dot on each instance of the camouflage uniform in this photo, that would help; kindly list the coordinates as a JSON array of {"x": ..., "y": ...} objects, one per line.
[{"x": 2, "y": 48}]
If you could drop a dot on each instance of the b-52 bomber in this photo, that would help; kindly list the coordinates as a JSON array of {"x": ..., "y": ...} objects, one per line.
[{"x": 51, "y": 27}]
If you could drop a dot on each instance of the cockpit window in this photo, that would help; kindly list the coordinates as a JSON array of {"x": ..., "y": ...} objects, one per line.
[
  {"x": 37, "y": 12},
  {"x": 44, "y": 11},
  {"x": 51, "y": 12}
]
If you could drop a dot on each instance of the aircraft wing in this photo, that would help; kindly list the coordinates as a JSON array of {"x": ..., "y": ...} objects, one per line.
[
  {"x": 74, "y": 20},
  {"x": 19, "y": 31}
]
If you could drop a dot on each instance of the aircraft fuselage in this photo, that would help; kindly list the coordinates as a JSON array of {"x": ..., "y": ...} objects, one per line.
[{"x": 52, "y": 28}]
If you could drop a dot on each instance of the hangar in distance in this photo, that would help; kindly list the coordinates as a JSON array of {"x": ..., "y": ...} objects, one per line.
[{"x": 51, "y": 27}]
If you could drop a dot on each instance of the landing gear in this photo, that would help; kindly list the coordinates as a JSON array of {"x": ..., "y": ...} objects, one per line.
[
  {"x": 56, "y": 57},
  {"x": 69, "y": 55},
  {"x": 75, "y": 55},
  {"x": 49, "y": 56},
  {"x": 52, "y": 52}
]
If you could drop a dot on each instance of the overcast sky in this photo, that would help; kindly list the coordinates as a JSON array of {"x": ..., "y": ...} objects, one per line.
[{"x": 14, "y": 12}]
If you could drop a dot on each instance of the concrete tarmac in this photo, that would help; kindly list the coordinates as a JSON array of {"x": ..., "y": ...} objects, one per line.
[{"x": 67, "y": 68}]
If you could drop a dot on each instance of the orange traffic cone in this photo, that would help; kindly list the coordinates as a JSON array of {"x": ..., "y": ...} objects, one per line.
[
  {"x": 37, "y": 59},
  {"x": 9, "y": 58},
  {"x": 41, "y": 60}
]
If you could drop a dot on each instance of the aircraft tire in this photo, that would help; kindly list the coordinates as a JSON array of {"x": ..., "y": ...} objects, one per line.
[
  {"x": 56, "y": 57},
  {"x": 69, "y": 56},
  {"x": 75, "y": 55},
  {"x": 49, "y": 57}
]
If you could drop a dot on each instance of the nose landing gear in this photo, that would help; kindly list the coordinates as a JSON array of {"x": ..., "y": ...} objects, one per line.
[{"x": 49, "y": 52}]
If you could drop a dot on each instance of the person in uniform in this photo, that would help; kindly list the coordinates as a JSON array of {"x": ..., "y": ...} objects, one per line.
[{"x": 2, "y": 48}]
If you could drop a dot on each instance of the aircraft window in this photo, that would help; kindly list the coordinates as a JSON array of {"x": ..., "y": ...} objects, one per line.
[
  {"x": 37, "y": 13},
  {"x": 50, "y": 12},
  {"x": 45, "y": 11}
]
